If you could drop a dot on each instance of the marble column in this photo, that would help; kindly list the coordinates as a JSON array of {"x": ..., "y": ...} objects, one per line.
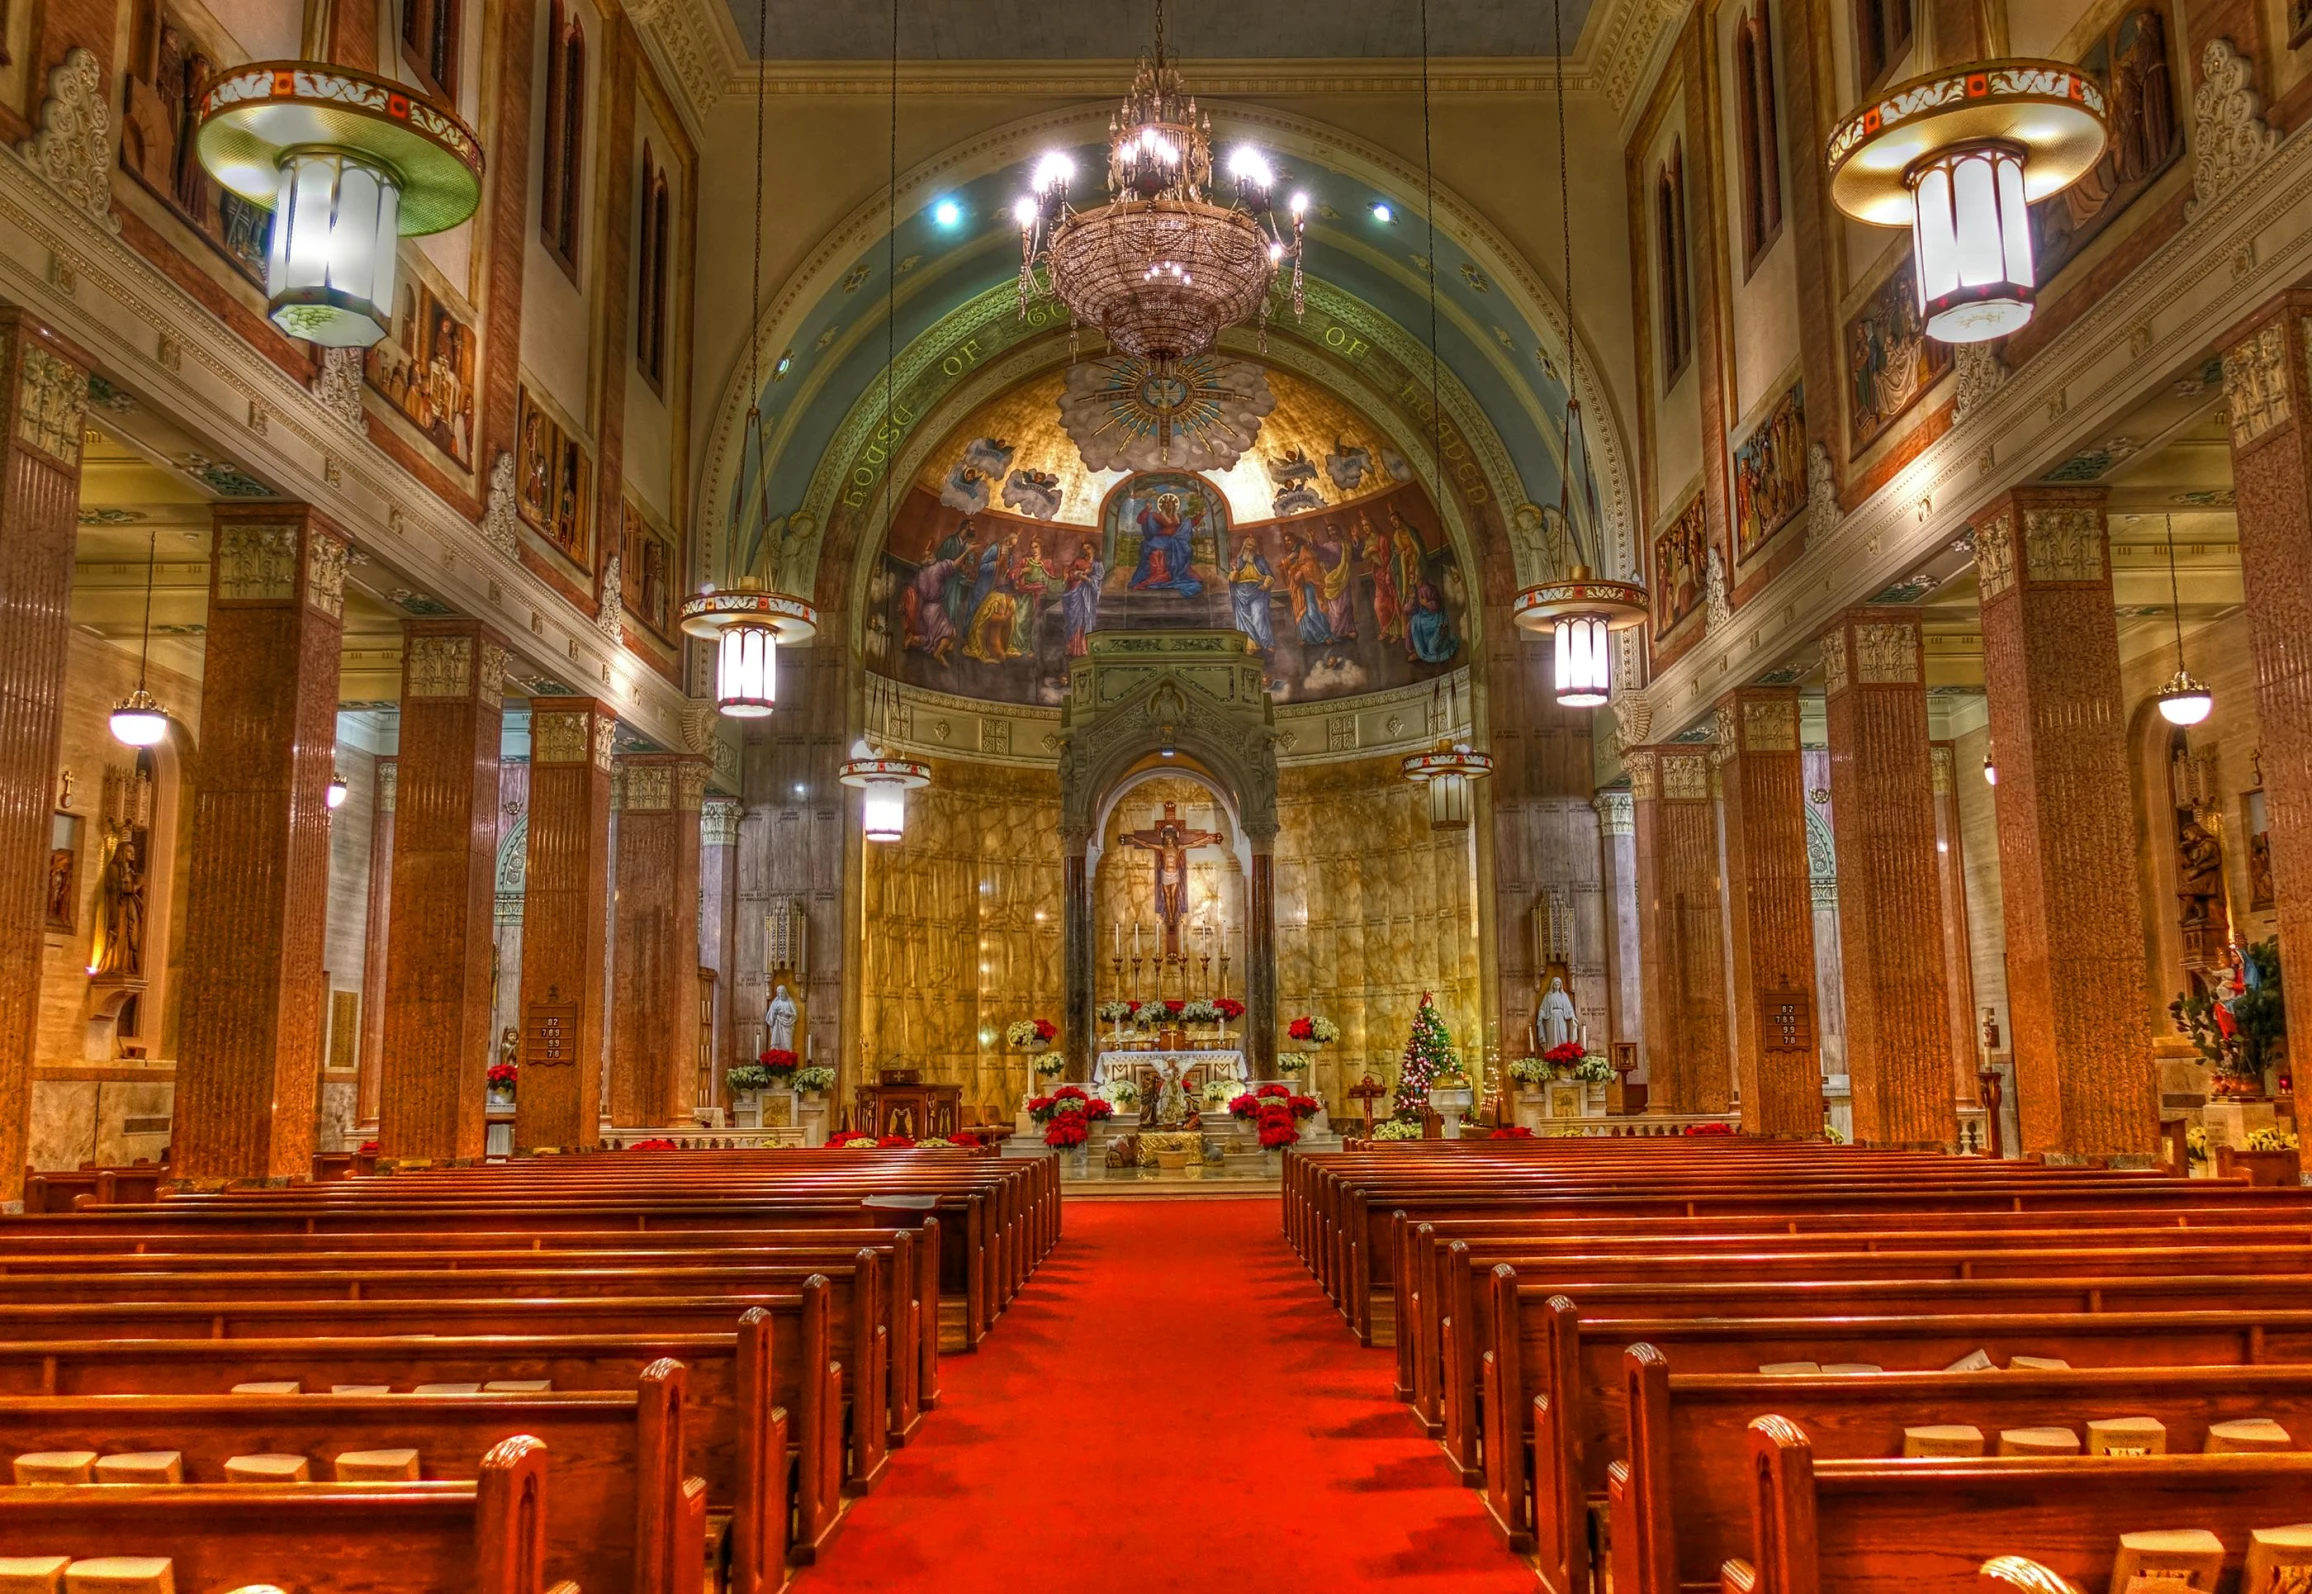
[
  {"x": 439, "y": 951},
  {"x": 1958, "y": 966},
  {"x": 47, "y": 380},
  {"x": 1680, "y": 945},
  {"x": 369, "y": 1088},
  {"x": 565, "y": 923},
  {"x": 1079, "y": 1020},
  {"x": 1260, "y": 958},
  {"x": 1890, "y": 921},
  {"x": 256, "y": 902},
  {"x": 1771, "y": 897},
  {"x": 718, "y": 879},
  {"x": 654, "y": 1035},
  {"x": 1625, "y": 971},
  {"x": 2269, "y": 407},
  {"x": 2084, "y": 1078}
]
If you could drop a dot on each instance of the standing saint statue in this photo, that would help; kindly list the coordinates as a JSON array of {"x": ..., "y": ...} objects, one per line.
[
  {"x": 779, "y": 1021},
  {"x": 1558, "y": 1021},
  {"x": 1170, "y": 840}
]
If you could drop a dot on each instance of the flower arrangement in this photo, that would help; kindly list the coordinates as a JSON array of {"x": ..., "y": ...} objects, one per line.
[
  {"x": 815, "y": 1079},
  {"x": 1397, "y": 1129},
  {"x": 2271, "y": 1139},
  {"x": 746, "y": 1077},
  {"x": 659, "y": 1144},
  {"x": 1594, "y": 1071},
  {"x": 1116, "y": 1012},
  {"x": 1049, "y": 1065},
  {"x": 1067, "y": 1115},
  {"x": 1030, "y": 1034},
  {"x": 1511, "y": 1132},
  {"x": 1229, "y": 1008},
  {"x": 503, "y": 1075},
  {"x": 1200, "y": 1011},
  {"x": 1278, "y": 1129},
  {"x": 1313, "y": 1031},
  {"x": 851, "y": 1140},
  {"x": 1530, "y": 1071},
  {"x": 939, "y": 1143},
  {"x": 1832, "y": 1136},
  {"x": 1244, "y": 1108},
  {"x": 1720, "y": 1128},
  {"x": 1216, "y": 1092},
  {"x": 1291, "y": 1063},
  {"x": 1123, "y": 1094},
  {"x": 2196, "y": 1143}
]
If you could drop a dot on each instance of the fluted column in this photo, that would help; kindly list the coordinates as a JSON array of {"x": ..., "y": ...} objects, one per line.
[
  {"x": 1079, "y": 1021},
  {"x": 1260, "y": 1016},
  {"x": 439, "y": 951},
  {"x": 654, "y": 1036},
  {"x": 1617, "y": 871},
  {"x": 2084, "y": 1084},
  {"x": 1681, "y": 950},
  {"x": 2269, "y": 406},
  {"x": 46, "y": 381},
  {"x": 565, "y": 923},
  {"x": 1890, "y": 922},
  {"x": 369, "y": 1090},
  {"x": 718, "y": 878},
  {"x": 257, "y": 900},
  {"x": 1771, "y": 894}
]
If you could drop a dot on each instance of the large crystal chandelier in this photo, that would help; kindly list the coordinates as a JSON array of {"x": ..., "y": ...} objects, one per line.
[{"x": 1161, "y": 268}]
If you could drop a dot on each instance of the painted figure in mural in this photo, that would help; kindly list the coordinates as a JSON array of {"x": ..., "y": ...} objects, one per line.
[
  {"x": 961, "y": 545},
  {"x": 1167, "y": 549},
  {"x": 1429, "y": 635},
  {"x": 923, "y": 619},
  {"x": 1380, "y": 553},
  {"x": 994, "y": 605},
  {"x": 1326, "y": 564},
  {"x": 1080, "y": 597},
  {"x": 1250, "y": 581},
  {"x": 1304, "y": 585},
  {"x": 1035, "y": 580}
]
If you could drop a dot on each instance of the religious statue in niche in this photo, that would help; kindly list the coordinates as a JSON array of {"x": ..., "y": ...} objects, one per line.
[
  {"x": 2203, "y": 913},
  {"x": 2259, "y": 827},
  {"x": 2131, "y": 60},
  {"x": 1770, "y": 474},
  {"x": 1681, "y": 562},
  {"x": 1558, "y": 1022},
  {"x": 1169, "y": 840},
  {"x": 1890, "y": 360},
  {"x": 116, "y": 945},
  {"x": 779, "y": 1019}
]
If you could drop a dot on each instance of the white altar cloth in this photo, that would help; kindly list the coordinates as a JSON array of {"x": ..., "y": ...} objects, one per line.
[{"x": 1122, "y": 1065}]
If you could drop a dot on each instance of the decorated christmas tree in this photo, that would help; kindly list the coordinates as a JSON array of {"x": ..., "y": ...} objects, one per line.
[{"x": 1428, "y": 1053}]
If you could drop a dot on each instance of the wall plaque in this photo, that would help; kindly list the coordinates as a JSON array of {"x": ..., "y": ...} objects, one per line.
[{"x": 550, "y": 1033}]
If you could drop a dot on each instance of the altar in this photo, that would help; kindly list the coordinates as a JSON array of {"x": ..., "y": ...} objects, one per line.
[{"x": 1192, "y": 1068}]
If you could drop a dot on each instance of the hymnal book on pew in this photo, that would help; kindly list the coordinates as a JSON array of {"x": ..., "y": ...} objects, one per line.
[
  {"x": 2126, "y": 1436},
  {"x": 2279, "y": 1561},
  {"x": 2038, "y": 1442},
  {"x": 1789, "y": 1369},
  {"x": 33, "y": 1574},
  {"x": 2167, "y": 1558},
  {"x": 1975, "y": 1361},
  {"x": 1943, "y": 1439},
  {"x": 2037, "y": 1364},
  {"x": 121, "y": 1574},
  {"x": 2248, "y": 1436}
]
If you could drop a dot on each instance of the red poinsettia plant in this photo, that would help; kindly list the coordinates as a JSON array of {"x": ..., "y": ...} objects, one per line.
[
  {"x": 1710, "y": 1129},
  {"x": 1067, "y": 1114},
  {"x": 779, "y": 1060},
  {"x": 852, "y": 1140},
  {"x": 652, "y": 1145},
  {"x": 1565, "y": 1055},
  {"x": 1511, "y": 1132},
  {"x": 1174, "y": 1008},
  {"x": 1230, "y": 1008},
  {"x": 1277, "y": 1127},
  {"x": 503, "y": 1075}
]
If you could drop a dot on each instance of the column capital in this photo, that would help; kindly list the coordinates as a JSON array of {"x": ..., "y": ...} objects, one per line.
[
  {"x": 718, "y": 822},
  {"x": 47, "y": 376},
  {"x": 2032, "y": 537},
  {"x": 1615, "y": 815},
  {"x": 1758, "y": 719},
  {"x": 277, "y": 555},
  {"x": 452, "y": 659},
  {"x": 1669, "y": 772},
  {"x": 660, "y": 782},
  {"x": 2265, "y": 377},
  {"x": 572, "y": 730},
  {"x": 1873, "y": 645}
]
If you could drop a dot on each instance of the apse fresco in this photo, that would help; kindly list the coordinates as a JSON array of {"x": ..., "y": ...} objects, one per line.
[
  {"x": 1357, "y": 598},
  {"x": 1008, "y": 551}
]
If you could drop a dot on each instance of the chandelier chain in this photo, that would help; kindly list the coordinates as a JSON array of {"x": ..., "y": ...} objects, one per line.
[
  {"x": 891, "y": 280},
  {"x": 1429, "y": 210},
  {"x": 145, "y": 647},
  {"x": 755, "y": 279},
  {"x": 2175, "y": 591}
]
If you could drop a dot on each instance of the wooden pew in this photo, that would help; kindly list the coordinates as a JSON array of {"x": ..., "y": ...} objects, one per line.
[
  {"x": 737, "y": 1436},
  {"x": 620, "y": 1478},
  {"x": 481, "y": 1537},
  {"x": 1927, "y": 1527},
  {"x": 1681, "y": 1504}
]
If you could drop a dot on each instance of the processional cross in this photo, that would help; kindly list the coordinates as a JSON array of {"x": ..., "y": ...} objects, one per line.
[{"x": 1170, "y": 840}]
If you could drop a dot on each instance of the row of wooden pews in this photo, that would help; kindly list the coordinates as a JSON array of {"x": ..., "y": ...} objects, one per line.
[
  {"x": 622, "y": 1372},
  {"x": 1801, "y": 1369}
]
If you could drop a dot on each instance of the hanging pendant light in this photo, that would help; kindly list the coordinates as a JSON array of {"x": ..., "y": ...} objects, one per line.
[
  {"x": 747, "y": 622},
  {"x": 1449, "y": 772},
  {"x": 349, "y": 164},
  {"x": 139, "y": 721},
  {"x": 1583, "y": 610},
  {"x": 886, "y": 782},
  {"x": 1990, "y": 771},
  {"x": 1958, "y": 157},
  {"x": 335, "y": 796},
  {"x": 2184, "y": 700}
]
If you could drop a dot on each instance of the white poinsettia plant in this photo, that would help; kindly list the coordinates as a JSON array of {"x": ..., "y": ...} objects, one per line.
[
  {"x": 1530, "y": 1071},
  {"x": 1397, "y": 1129},
  {"x": 1594, "y": 1071},
  {"x": 815, "y": 1079},
  {"x": 1200, "y": 1011}
]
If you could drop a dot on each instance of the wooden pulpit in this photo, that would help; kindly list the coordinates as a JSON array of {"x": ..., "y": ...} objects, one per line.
[{"x": 900, "y": 1103}]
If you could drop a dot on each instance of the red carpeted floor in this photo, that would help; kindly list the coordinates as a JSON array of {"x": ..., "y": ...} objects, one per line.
[{"x": 1170, "y": 1405}]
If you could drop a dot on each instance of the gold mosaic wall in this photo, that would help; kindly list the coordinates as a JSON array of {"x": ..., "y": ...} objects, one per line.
[
  {"x": 1373, "y": 907},
  {"x": 962, "y": 930}
]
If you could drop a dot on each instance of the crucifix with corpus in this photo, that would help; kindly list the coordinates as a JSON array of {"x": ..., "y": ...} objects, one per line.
[{"x": 1170, "y": 840}]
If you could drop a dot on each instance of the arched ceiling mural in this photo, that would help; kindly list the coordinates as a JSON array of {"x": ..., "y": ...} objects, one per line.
[{"x": 823, "y": 343}]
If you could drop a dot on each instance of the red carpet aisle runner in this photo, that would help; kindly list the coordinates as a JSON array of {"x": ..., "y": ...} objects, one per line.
[{"x": 1170, "y": 1405}]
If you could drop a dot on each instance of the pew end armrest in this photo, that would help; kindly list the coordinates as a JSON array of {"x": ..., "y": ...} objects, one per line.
[{"x": 1737, "y": 1576}]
